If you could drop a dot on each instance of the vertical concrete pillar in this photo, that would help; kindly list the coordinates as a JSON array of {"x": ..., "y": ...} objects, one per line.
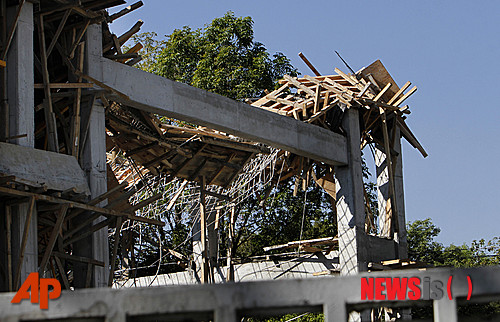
[
  {"x": 93, "y": 162},
  {"x": 350, "y": 205},
  {"x": 20, "y": 80},
  {"x": 383, "y": 193}
]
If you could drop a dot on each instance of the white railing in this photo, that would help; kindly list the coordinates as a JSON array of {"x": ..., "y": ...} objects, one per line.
[{"x": 335, "y": 296}]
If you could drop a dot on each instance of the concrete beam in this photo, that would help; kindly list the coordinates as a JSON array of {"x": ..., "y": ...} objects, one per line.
[
  {"x": 38, "y": 167},
  {"x": 160, "y": 95}
]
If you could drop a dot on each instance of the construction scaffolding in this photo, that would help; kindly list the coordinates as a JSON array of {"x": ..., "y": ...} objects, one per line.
[{"x": 92, "y": 149}]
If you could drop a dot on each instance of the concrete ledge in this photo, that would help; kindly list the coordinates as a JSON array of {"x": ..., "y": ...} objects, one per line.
[
  {"x": 38, "y": 167},
  {"x": 160, "y": 95}
]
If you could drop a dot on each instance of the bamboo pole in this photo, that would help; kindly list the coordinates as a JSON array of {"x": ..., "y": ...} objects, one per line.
[
  {"x": 115, "y": 250},
  {"x": 27, "y": 222}
]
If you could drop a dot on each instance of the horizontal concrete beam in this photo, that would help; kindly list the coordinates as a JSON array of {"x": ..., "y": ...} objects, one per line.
[
  {"x": 160, "y": 95},
  {"x": 38, "y": 167}
]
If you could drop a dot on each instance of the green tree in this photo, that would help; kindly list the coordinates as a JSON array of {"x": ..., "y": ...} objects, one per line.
[{"x": 222, "y": 58}]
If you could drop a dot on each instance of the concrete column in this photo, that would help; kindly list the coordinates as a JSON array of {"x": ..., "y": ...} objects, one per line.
[
  {"x": 20, "y": 77},
  {"x": 93, "y": 162},
  {"x": 20, "y": 80},
  {"x": 383, "y": 193},
  {"x": 350, "y": 204}
]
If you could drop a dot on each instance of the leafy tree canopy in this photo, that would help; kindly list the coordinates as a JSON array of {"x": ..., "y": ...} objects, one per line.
[{"x": 223, "y": 58}]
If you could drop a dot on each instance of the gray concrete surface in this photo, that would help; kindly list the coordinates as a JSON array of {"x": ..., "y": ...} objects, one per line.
[
  {"x": 160, "y": 95},
  {"x": 38, "y": 167},
  {"x": 335, "y": 296}
]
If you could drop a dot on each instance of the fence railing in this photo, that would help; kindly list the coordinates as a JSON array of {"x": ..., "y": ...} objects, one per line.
[{"x": 337, "y": 297}]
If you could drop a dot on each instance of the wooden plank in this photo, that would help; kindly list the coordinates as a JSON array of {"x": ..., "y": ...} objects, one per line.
[
  {"x": 409, "y": 136},
  {"x": 308, "y": 63},
  {"x": 398, "y": 93},
  {"x": 217, "y": 195},
  {"x": 176, "y": 196},
  {"x": 115, "y": 250},
  {"x": 146, "y": 202},
  {"x": 89, "y": 230},
  {"x": 382, "y": 77},
  {"x": 203, "y": 233},
  {"x": 12, "y": 30},
  {"x": 51, "y": 127},
  {"x": 74, "y": 204},
  {"x": 317, "y": 99},
  {"x": 405, "y": 96},
  {"x": 141, "y": 148},
  {"x": 236, "y": 145},
  {"x": 391, "y": 222},
  {"x": 66, "y": 85},
  {"x": 125, "y": 11},
  {"x": 58, "y": 31},
  {"x": 24, "y": 240},
  {"x": 53, "y": 238},
  {"x": 8, "y": 223},
  {"x": 62, "y": 272},
  {"x": 78, "y": 38},
  {"x": 80, "y": 259},
  {"x": 299, "y": 85},
  {"x": 75, "y": 133},
  {"x": 322, "y": 111},
  {"x": 382, "y": 92}
]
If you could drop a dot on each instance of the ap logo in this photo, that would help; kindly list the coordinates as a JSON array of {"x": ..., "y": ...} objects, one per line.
[{"x": 39, "y": 290}]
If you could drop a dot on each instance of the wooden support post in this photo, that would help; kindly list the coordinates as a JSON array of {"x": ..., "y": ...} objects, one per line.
[
  {"x": 62, "y": 272},
  {"x": 53, "y": 238},
  {"x": 75, "y": 133},
  {"x": 391, "y": 223},
  {"x": 58, "y": 31},
  {"x": 115, "y": 250},
  {"x": 230, "y": 246},
  {"x": 8, "y": 222},
  {"x": 50, "y": 119},
  {"x": 203, "y": 232},
  {"x": 31, "y": 209}
]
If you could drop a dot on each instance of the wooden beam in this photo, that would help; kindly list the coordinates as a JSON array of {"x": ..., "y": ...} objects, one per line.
[
  {"x": 58, "y": 31},
  {"x": 308, "y": 63},
  {"x": 12, "y": 30},
  {"x": 392, "y": 215},
  {"x": 75, "y": 133},
  {"x": 203, "y": 233},
  {"x": 53, "y": 238},
  {"x": 65, "y": 85},
  {"x": 401, "y": 90},
  {"x": 80, "y": 259},
  {"x": 115, "y": 250},
  {"x": 8, "y": 222},
  {"x": 24, "y": 240},
  {"x": 405, "y": 96},
  {"x": 50, "y": 118},
  {"x": 62, "y": 272},
  {"x": 176, "y": 196},
  {"x": 125, "y": 11},
  {"x": 73, "y": 204},
  {"x": 382, "y": 92}
]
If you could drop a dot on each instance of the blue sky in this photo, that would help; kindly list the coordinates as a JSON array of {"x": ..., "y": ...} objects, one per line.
[{"x": 449, "y": 49}]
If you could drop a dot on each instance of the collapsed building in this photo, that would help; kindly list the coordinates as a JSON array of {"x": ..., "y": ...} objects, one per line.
[{"x": 84, "y": 153}]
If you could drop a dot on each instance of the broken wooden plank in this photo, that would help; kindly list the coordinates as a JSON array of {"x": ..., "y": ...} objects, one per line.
[{"x": 308, "y": 63}]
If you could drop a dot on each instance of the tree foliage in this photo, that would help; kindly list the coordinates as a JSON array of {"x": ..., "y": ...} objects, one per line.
[{"x": 222, "y": 58}]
